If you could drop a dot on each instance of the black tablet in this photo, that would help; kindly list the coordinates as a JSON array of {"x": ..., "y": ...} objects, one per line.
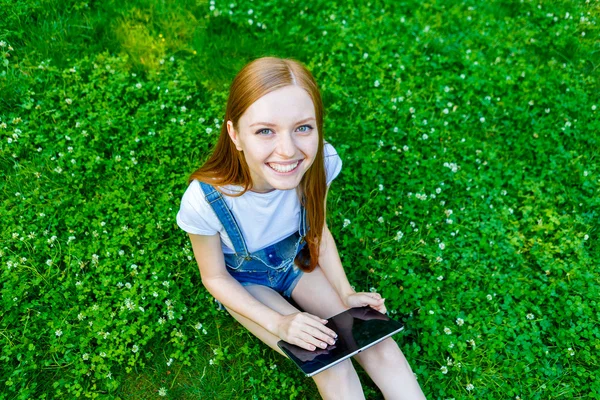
[{"x": 357, "y": 330}]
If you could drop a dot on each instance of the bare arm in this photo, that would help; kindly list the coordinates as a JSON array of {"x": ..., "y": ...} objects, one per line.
[
  {"x": 223, "y": 287},
  {"x": 302, "y": 329},
  {"x": 330, "y": 263}
]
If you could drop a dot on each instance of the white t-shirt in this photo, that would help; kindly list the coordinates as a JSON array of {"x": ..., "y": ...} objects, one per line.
[{"x": 263, "y": 218}]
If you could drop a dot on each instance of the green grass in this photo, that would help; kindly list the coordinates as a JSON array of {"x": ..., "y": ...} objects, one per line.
[{"x": 482, "y": 113}]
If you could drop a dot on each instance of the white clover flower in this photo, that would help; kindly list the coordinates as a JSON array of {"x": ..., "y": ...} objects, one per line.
[
  {"x": 49, "y": 262},
  {"x": 380, "y": 220},
  {"x": 411, "y": 110},
  {"x": 162, "y": 392},
  {"x": 381, "y": 187},
  {"x": 442, "y": 246},
  {"x": 135, "y": 348},
  {"x": 444, "y": 369},
  {"x": 471, "y": 342},
  {"x": 530, "y": 316},
  {"x": 399, "y": 236},
  {"x": 68, "y": 101},
  {"x": 470, "y": 387},
  {"x": 85, "y": 356},
  {"x": 440, "y": 278},
  {"x": 489, "y": 297},
  {"x": 460, "y": 321},
  {"x": 102, "y": 354},
  {"x": 571, "y": 352},
  {"x": 451, "y": 346},
  {"x": 198, "y": 326},
  {"x": 154, "y": 294},
  {"x": 58, "y": 332},
  {"x": 586, "y": 237},
  {"x": 482, "y": 120},
  {"x": 447, "y": 331},
  {"x": 169, "y": 362},
  {"x": 138, "y": 85},
  {"x": 425, "y": 136},
  {"x": 346, "y": 222},
  {"x": 594, "y": 107},
  {"x": 161, "y": 321},
  {"x": 376, "y": 83}
]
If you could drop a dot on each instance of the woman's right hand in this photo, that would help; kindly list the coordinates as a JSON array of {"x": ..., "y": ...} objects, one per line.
[{"x": 305, "y": 330}]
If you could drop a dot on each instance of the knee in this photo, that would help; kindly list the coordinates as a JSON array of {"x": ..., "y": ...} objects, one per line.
[
  {"x": 339, "y": 376},
  {"x": 384, "y": 353}
]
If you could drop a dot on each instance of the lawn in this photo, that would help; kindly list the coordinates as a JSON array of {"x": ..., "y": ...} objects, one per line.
[{"x": 469, "y": 195}]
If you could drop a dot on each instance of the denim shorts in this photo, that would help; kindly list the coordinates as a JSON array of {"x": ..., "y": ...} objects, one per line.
[{"x": 273, "y": 266}]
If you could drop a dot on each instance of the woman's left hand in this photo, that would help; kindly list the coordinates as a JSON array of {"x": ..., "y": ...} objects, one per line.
[{"x": 362, "y": 299}]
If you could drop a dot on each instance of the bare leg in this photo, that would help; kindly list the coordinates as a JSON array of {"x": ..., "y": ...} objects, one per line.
[
  {"x": 388, "y": 368},
  {"x": 338, "y": 382},
  {"x": 384, "y": 362}
]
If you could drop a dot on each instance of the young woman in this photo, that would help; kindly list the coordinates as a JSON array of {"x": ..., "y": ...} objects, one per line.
[{"x": 255, "y": 214}]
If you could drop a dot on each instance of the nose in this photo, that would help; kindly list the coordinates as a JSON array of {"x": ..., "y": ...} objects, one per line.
[{"x": 286, "y": 147}]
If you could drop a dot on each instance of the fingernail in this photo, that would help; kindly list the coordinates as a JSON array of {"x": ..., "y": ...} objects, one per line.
[{"x": 323, "y": 345}]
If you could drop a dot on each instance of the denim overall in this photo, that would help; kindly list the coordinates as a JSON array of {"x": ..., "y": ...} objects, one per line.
[{"x": 272, "y": 266}]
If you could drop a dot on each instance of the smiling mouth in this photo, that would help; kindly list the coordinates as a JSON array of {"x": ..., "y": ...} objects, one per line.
[{"x": 284, "y": 168}]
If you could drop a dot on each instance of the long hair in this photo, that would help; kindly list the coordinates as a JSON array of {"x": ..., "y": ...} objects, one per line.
[{"x": 227, "y": 166}]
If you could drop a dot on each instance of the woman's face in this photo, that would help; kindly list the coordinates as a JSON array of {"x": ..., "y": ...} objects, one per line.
[{"x": 278, "y": 135}]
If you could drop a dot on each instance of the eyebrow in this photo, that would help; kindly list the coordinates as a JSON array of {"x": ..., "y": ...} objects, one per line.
[{"x": 274, "y": 125}]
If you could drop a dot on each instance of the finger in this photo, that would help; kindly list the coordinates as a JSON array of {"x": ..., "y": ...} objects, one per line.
[
  {"x": 374, "y": 295},
  {"x": 310, "y": 343},
  {"x": 319, "y": 324},
  {"x": 323, "y": 339},
  {"x": 380, "y": 309},
  {"x": 321, "y": 320},
  {"x": 368, "y": 300}
]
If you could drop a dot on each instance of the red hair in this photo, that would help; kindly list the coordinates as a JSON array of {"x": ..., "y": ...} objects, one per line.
[{"x": 227, "y": 166}]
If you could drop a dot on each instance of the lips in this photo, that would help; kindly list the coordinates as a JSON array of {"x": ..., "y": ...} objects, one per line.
[{"x": 284, "y": 168}]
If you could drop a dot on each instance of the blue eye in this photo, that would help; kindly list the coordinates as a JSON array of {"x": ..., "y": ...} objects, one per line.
[
  {"x": 307, "y": 128},
  {"x": 264, "y": 131}
]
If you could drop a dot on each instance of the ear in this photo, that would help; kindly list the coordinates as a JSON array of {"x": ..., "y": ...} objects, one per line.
[{"x": 233, "y": 135}]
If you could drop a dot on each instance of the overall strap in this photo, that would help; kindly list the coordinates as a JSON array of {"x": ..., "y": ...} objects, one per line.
[{"x": 216, "y": 201}]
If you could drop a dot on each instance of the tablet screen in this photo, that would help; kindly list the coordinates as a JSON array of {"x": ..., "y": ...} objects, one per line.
[{"x": 357, "y": 330}]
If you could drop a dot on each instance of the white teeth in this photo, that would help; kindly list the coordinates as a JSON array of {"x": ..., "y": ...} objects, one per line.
[{"x": 283, "y": 168}]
